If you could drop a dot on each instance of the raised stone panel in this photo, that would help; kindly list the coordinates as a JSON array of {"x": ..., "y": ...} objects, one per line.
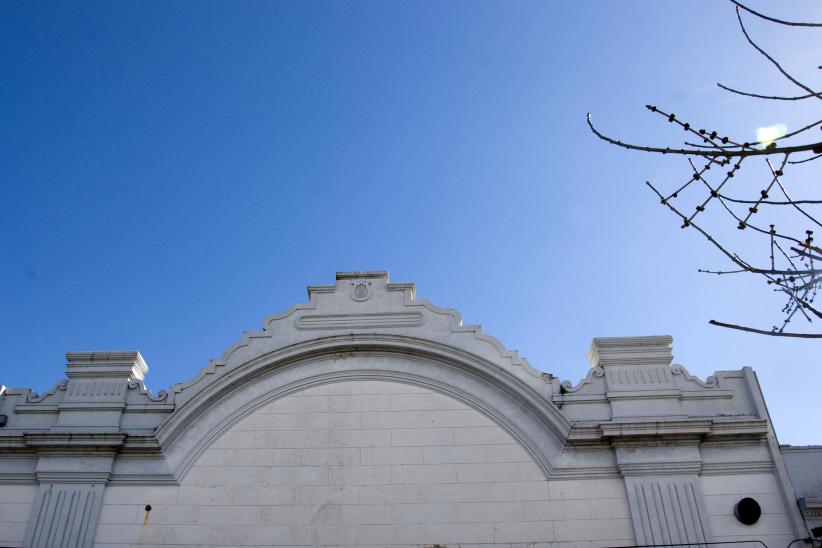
[
  {"x": 64, "y": 515},
  {"x": 667, "y": 510}
]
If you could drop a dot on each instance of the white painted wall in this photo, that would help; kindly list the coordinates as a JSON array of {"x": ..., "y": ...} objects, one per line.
[
  {"x": 366, "y": 463},
  {"x": 15, "y": 506},
  {"x": 723, "y": 492}
]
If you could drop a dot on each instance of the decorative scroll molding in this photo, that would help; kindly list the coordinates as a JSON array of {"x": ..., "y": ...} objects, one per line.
[
  {"x": 64, "y": 516},
  {"x": 593, "y": 372},
  {"x": 162, "y": 395},
  {"x": 710, "y": 382},
  {"x": 34, "y": 398},
  {"x": 667, "y": 511}
]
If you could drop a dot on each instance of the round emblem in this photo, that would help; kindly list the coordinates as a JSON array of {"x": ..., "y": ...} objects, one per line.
[{"x": 360, "y": 291}]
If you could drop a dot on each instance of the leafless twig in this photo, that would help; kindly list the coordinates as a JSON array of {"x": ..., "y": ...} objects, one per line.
[
  {"x": 763, "y": 332},
  {"x": 770, "y": 97},
  {"x": 774, "y": 19},
  {"x": 794, "y": 262}
]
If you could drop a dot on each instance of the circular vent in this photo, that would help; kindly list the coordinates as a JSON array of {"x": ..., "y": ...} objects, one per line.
[{"x": 747, "y": 511}]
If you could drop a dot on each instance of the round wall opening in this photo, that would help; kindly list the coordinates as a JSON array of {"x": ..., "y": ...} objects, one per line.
[{"x": 747, "y": 511}]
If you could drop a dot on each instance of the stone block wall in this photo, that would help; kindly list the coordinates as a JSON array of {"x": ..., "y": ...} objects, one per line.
[
  {"x": 15, "y": 508},
  {"x": 723, "y": 492},
  {"x": 366, "y": 463}
]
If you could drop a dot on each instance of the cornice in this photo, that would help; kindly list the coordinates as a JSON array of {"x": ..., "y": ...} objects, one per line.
[
  {"x": 655, "y": 428},
  {"x": 669, "y": 431},
  {"x": 72, "y": 442},
  {"x": 143, "y": 479},
  {"x": 736, "y": 467},
  {"x": 18, "y": 478},
  {"x": 616, "y": 351},
  {"x": 73, "y": 477},
  {"x": 749, "y": 428},
  {"x": 674, "y": 467},
  {"x": 140, "y": 446}
]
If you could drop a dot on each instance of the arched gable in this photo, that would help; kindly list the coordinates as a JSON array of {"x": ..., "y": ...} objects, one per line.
[
  {"x": 365, "y": 328},
  {"x": 514, "y": 408}
]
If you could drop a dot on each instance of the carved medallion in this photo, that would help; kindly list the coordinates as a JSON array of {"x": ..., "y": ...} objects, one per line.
[{"x": 360, "y": 291}]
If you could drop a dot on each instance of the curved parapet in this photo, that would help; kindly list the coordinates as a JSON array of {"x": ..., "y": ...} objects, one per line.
[
  {"x": 362, "y": 303},
  {"x": 365, "y": 327}
]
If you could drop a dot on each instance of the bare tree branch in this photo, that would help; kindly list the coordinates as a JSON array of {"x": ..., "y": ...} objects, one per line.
[
  {"x": 806, "y": 254},
  {"x": 771, "y": 97},
  {"x": 768, "y": 202},
  {"x": 800, "y": 130},
  {"x": 732, "y": 256},
  {"x": 811, "y": 159},
  {"x": 707, "y": 153},
  {"x": 773, "y": 19},
  {"x": 763, "y": 332},
  {"x": 794, "y": 264},
  {"x": 769, "y": 58},
  {"x": 721, "y": 272},
  {"x": 785, "y": 192}
]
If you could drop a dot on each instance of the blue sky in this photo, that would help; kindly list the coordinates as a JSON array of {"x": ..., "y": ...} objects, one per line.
[{"x": 173, "y": 172}]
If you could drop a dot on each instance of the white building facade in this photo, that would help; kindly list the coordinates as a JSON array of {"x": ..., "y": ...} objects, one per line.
[{"x": 368, "y": 417}]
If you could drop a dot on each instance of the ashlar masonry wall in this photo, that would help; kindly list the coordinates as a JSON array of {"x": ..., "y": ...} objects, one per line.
[
  {"x": 366, "y": 463},
  {"x": 723, "y": 492},
  {"x": 15, "y": 508}
]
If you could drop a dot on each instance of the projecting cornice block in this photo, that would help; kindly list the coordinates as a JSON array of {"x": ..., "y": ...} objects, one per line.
[
  {"x": 125, "y": 365},
  {"x": 615, "y": 351}
]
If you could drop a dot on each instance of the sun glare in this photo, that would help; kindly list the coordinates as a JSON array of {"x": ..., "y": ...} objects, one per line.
[{"x": 768, "y": 134}]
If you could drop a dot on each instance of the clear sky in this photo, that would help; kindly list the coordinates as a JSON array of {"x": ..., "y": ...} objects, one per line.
[{"x": 173, "y": 172}]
